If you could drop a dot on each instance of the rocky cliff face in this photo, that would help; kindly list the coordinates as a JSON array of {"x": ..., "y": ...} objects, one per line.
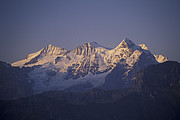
[
  {"x": 161, "y": 76},
  {"x": 123, "y": 75},
  {"x": 14, "y": 82}
]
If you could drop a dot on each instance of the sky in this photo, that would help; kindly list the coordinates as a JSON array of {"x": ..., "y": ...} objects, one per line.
[{"x": 26, "y": 26}]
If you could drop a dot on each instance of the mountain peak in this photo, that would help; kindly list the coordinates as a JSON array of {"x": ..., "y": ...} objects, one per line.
[
  {"x": 127, "y": 43},
  {"x": 96, "y": 45},
  {"x": 49, "y": 46},
  {"x": 93, "y": 42},
  {"x": 161, "y": 58},
  {"x": 127, "y": 40},
  {"x": 52, "y": 50},
  {"x": 143, "y": 46},
  {"x": 89, "y": 63}
]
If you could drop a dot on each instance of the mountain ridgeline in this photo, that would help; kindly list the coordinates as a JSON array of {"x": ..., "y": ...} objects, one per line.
[
  {"x": 88, "y": 66},
  {"x": 91, "y": 82}
]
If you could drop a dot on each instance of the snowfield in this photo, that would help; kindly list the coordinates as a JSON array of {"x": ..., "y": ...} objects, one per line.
[{"x": 56, "y": 68}]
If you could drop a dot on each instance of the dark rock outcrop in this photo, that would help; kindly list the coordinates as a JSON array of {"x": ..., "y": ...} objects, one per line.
[
  {"x": 122, "y": 76},
  {"x": 79, "y": 87},
  {"x": 14, "y": 82},
  {"x": 155, "y": 96},
  {"x": 161, "y": 76}
]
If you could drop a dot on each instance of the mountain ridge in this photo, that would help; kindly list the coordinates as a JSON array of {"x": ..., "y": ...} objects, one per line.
[
  {"x": 49, "y": 49},
  {"x": 90, "y": 63},
  {"x": 155, "y": 95}
]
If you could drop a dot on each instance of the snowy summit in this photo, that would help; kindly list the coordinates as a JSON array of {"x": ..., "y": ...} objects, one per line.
[
  {"x": 56, "y": 68},
  {"x": 96, "y": 45}
]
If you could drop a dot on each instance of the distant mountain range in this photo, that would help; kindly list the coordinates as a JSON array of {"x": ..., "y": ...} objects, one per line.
[
  {"x": 88, "y": 66},
  {"x": 91, "y": 82}
]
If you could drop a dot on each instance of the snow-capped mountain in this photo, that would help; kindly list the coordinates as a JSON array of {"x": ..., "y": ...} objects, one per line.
[
  {"x": 161, "y": 58},
  {"x": 87, "y": 65}
]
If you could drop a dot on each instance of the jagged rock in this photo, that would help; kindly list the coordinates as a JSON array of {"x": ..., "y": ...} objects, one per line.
[
  {"x": 161, "y": 58},
  {"x": 88, "y": 63},
  {"x": 161, "y": 76},
  {"x": 58, "y": 59}
]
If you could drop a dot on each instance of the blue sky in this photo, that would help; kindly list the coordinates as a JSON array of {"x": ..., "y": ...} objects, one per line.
[{"x": 26, "y": 26}]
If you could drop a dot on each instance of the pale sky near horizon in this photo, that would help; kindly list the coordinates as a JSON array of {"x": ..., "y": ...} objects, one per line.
[{"x": 26, "y": 26}]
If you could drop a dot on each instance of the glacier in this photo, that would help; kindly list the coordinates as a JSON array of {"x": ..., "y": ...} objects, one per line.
[{"x": 55, "y": 68}]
